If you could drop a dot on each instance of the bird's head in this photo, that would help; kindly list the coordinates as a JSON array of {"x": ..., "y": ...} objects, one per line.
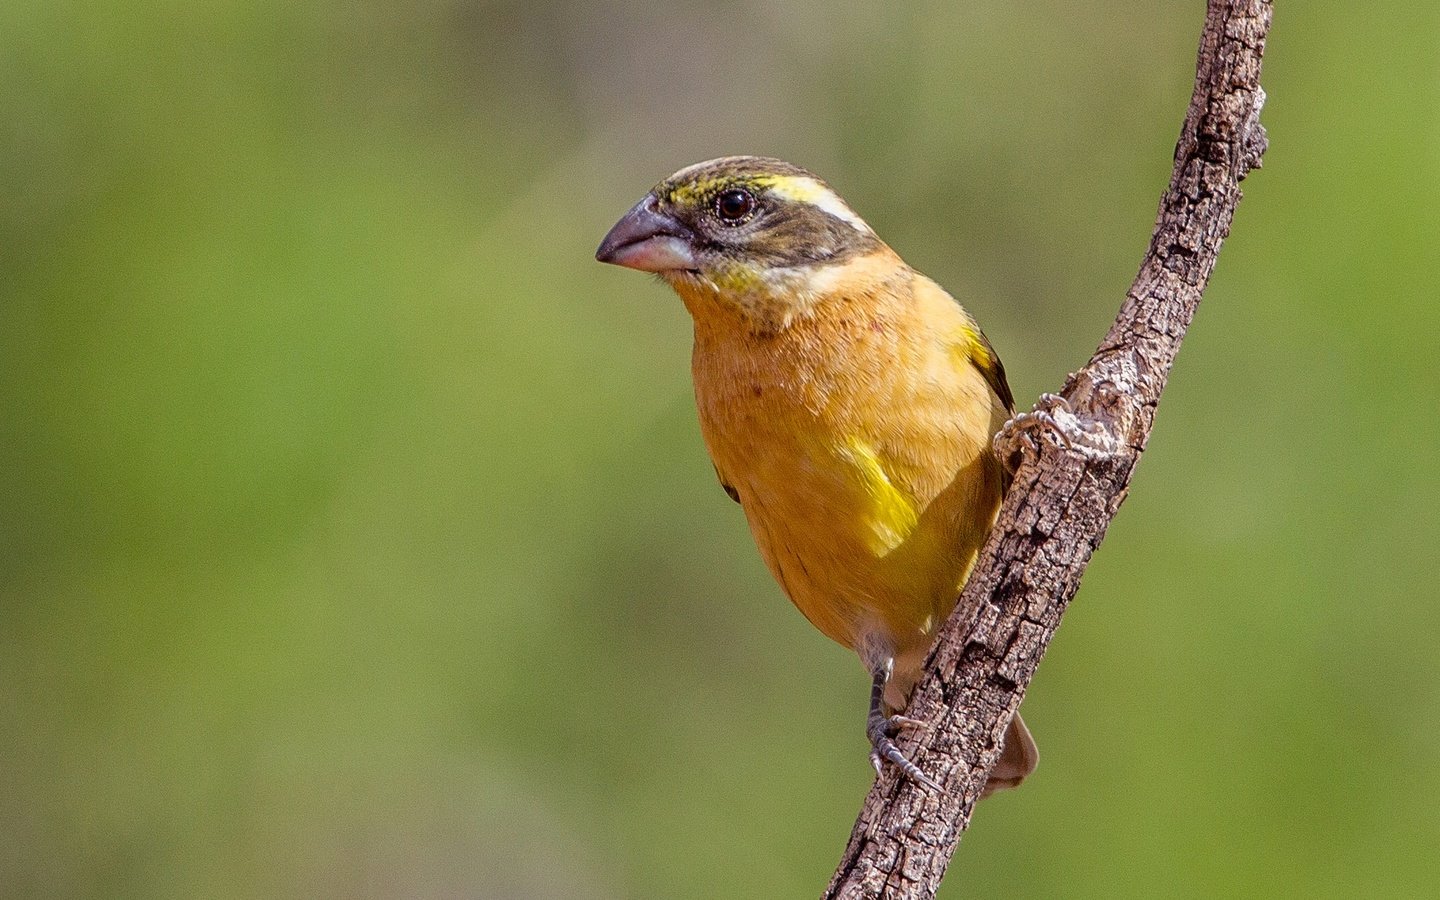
[{"x": 750, "y": 231}]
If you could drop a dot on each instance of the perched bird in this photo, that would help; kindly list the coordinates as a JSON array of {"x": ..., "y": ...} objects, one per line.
[{"x": 848, "y": 404}]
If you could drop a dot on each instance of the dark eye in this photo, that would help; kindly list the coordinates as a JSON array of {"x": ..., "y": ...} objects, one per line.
[{"x": 734, "y": 205}]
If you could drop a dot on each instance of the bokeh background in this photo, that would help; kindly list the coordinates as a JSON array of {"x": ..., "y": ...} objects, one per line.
[{"x": 356, "y": 537}]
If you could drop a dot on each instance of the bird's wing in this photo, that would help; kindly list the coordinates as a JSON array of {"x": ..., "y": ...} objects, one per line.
[
  {"x": 984, "y": 358},
  {"x": 728, "y": 488},
  {"x": 981, "y": 353}
]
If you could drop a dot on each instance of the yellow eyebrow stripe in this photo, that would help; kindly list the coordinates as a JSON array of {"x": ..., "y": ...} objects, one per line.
[
  {"x": 810, "y": 190},
  {"x": 798, "y": 188}
]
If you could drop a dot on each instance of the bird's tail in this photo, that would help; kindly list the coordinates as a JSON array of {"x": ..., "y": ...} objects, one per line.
[
  {"x": 1018, "y": 754},
  {"x": 1018, "y": 758}
]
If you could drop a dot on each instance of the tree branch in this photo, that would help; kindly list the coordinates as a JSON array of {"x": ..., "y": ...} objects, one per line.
[{"x": 1076, "y": 454}]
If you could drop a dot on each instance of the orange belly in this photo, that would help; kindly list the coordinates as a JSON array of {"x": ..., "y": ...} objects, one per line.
[{"x": 859, "y": 446}]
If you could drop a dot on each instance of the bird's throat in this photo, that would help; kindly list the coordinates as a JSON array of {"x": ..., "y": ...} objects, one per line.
[{"x": 769, "y": 301}]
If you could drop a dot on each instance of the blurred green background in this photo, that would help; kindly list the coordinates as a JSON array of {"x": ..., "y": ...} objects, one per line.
[{"x": 356, "y": 538}]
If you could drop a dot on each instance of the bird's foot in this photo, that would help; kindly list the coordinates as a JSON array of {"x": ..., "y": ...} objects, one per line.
[
  {"x": 1052, "y": 420},
  {"x": 881, "y": 730}
]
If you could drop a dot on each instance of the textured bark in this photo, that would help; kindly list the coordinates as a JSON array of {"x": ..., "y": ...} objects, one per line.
[{"x": 1075, "y": 454}]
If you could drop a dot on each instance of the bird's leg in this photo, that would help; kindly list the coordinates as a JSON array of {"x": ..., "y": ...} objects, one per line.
[
  {"x": 881, "y": 729},
  {"x": 1054, "y": 421}
]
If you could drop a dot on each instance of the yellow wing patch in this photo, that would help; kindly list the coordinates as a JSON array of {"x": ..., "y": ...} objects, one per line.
[
  {"x": 982, "y": 356},
  {"x": 891, "y": 516}
]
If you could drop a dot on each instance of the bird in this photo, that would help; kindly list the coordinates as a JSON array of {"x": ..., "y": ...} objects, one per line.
[{"x": 848, "y": 404}]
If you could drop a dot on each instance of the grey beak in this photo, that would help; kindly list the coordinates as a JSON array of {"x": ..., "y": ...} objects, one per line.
[{"x": 647, "y": 240}]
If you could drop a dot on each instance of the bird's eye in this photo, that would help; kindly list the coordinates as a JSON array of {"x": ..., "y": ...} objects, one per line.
[{"x": 734, "y": 205}]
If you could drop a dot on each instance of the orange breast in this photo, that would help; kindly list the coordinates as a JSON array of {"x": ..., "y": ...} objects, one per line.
[{"x": 858, "y": 440}]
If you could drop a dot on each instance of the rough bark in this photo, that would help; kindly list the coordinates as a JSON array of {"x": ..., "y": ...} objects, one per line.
[{"x": 1075, "y": 455}]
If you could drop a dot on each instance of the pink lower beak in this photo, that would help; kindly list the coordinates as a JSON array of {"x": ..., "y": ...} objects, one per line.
[{"x": 647, "y": 240}]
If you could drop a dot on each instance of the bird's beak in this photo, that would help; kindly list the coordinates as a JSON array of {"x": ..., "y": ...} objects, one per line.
[{"x": 647, "y": 240}]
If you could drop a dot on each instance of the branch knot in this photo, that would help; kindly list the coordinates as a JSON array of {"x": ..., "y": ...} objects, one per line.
[{"x": 1253, "y": 139}]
